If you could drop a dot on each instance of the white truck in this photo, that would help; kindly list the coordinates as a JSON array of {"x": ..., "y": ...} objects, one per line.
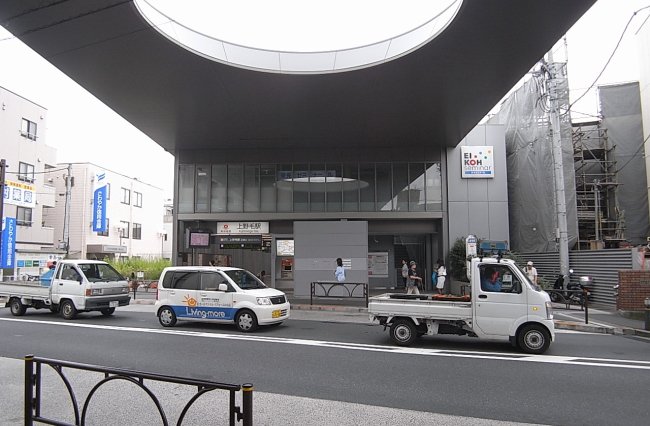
[
  {"x": 502, "y": 305},
  {"x": 76, "y": 286}
]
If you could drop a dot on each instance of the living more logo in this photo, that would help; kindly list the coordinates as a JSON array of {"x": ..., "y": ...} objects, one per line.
[{"x": 204, "y": 313}]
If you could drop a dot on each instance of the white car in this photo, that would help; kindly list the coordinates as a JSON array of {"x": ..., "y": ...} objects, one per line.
[{"x": 219, "y": 295}]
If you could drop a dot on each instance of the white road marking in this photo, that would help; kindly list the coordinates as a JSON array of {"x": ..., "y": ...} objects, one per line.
[{"x": 549, "y": 359}]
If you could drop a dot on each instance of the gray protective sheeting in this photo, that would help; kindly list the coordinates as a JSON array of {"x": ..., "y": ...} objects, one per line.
[
  {"x": 531, "y": 187},
  {"x": 620, "y": 106}
]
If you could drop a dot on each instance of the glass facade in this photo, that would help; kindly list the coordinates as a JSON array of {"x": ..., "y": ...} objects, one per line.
[{"x": 313, "y": 187}]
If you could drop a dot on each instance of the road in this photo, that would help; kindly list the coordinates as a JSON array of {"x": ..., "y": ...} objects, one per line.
[{"x": 590, "y": 379}]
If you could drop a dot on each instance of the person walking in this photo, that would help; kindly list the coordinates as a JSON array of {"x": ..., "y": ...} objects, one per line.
[
  {"x": 414, "y": 280},
  {"x": 405, "y": 272},
  {"x": 442, "y": 275},
  {"x": 531, "y": 272},
  {"x": 340, "y": 271}
]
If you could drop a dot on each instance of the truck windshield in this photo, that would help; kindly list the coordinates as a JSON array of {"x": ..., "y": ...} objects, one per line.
[
  {"x": 244, "y": 279},
  {"x": 95, "y": 272}
]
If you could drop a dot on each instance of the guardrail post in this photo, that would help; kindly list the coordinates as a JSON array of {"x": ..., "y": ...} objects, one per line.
[
  {"x": 646, "y": 303},
  {"x": 585, "y": 302},
  {"x": 247, "y": 403},
  {"x": 29, "y": 390}
]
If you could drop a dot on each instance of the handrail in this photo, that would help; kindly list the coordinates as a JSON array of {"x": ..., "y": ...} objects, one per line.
[
  {"x": 336, "y": 284},
  {"x": 33, "y": 395}
]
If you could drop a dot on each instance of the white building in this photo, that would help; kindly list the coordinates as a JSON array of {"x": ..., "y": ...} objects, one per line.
[
  {"x": 643, "y": 45},
  {"x": 133, "y": 209},
  {"x": 28, "y": 196}
]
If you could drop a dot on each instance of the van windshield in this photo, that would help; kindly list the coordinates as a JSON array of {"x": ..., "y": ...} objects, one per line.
[
  {"x": 244, "y": 279},
  {"x": 95, "y": 272}
]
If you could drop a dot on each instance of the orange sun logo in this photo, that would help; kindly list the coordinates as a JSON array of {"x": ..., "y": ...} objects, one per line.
[{"x": 191, "y": 302}]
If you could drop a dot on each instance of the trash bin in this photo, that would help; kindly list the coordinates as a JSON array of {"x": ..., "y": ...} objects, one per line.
[{"x": 46, "y": 278}]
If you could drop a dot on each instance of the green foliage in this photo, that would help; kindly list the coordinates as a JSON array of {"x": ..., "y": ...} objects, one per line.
[
  {"x": 151, "y": 268},
  {"x": 457, "y": 261}
]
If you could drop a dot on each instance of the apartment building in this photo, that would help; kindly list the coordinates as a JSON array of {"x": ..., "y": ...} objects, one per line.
[
  {"x": 134, "y": 219},
  {"x": 27, "y": 195}
]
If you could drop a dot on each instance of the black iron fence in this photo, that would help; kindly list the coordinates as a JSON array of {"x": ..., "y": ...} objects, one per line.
[
  {"x": 338, "y": 289},
  {"x": 33, "y": 392}
]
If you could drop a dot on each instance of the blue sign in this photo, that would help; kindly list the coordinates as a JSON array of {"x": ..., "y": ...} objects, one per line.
[
  {"x": 8, "y": 245},
  {"x": 99, "y": 203}
]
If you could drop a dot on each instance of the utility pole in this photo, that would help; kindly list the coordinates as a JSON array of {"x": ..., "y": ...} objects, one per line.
[
  {"x": 3, "y": 166},
  {"x": 66, "y": 217},
  {"x": 562, "y": 233}
]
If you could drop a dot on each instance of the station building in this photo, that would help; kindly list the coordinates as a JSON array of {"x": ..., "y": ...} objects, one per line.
[{"x": 286, "y": 161}]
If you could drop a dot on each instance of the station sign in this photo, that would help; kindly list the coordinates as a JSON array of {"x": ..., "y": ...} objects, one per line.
[{"x": 229, "y": 228}]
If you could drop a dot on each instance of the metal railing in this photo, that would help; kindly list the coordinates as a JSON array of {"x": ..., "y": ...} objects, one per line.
[
  {"x": 565, "y": 297},
  {"x": 327, "y": 286},
  {"x": 33, "y": 392}
]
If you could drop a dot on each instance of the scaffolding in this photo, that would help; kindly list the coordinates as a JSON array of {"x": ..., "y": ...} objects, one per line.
[{"x": 601, "y": 224}]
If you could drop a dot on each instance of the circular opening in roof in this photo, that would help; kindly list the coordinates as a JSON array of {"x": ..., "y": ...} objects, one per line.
[{"x": 291, "y": 36}]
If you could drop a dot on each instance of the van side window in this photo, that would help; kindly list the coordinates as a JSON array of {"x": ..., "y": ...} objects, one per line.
[
  {"x": 186, "y": 280},
  {"x": 167, "y": 279},
  {"x": 210, "y": 281},
  {"x": 69, "y": 273}
]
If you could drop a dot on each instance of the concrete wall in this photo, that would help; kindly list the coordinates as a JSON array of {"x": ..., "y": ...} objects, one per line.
[{"x": 319, "y": 243}]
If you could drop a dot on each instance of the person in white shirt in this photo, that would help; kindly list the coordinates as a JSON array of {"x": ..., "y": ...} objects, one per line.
[
  {"x": 442, "y": 275},
  {"x": 531, "y": 272}
]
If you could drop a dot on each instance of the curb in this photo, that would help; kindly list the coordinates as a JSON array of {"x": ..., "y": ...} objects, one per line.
[{"x": 619, "y": 331}]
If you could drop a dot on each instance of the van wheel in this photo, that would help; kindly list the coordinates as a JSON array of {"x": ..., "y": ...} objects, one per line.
[
  {"x": 246, "y": 321},
  {"x": 107, "y": 312},
  {"x": 402, "y": 332},
  {"x": 17, "y": 307},
  {"x": 68, "y": 311},
  {"x": 533, "y": 339},
  {"x": 166, "y": 317}
]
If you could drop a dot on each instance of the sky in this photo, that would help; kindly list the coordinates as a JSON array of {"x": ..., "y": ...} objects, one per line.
[{"x": 83, "y": 129}]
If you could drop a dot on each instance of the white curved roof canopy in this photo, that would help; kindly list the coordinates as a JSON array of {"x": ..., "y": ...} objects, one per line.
[{"x": 301, "y": 62}]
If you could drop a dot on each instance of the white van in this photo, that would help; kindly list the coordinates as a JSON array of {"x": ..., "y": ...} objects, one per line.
[{"x": 218, "y": 294}]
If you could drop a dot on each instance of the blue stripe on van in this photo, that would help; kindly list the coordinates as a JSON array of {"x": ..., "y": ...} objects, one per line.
[{"x": 204, "y": 312}]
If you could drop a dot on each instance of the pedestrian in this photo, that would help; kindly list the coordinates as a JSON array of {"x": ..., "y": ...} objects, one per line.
[
  {"x": 261, "y": 275},
  {"x": 414, "y": 281},
  {"x": 442, "y": 275},
  {"x": 531, "y": 272},
  {"x": 211, "y": 263},
  {"x": 340, "y": 271},
  {"x": 405, "y": 272}
]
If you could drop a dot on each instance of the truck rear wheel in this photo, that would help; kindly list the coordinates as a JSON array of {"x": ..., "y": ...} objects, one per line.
[
  {"x": 533, "y": 339},
  {"x": 68, "y": 311},
  {"x": 402, "y": 332},
  {"x": 17, "y": 307}
]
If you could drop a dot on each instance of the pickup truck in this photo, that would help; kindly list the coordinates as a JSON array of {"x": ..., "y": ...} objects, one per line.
[
  {"x": 76, "y": 286},
  {"x": 503, "y": 305}
]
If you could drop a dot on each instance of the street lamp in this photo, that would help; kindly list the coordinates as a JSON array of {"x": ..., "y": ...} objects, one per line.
[{"x": 163, "y": 234}]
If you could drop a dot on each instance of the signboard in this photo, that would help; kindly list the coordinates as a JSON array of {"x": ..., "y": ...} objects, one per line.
[
  {"x": 284, "y": 247},
  {"x": 99, "y": 203},
  {"x": 241, "y": 239},
  {"x": 378, "y": 264},
  {"x": 20, "y": 194},
  {"x": 228, "y": 228},
  {"x": 477, "y": 162},
  {"x": 8, "y": 245},
  {"x": 199, "y": 238}
]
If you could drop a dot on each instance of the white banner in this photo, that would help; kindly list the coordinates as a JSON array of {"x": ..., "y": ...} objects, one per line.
[{"x": 20, "y": 194}]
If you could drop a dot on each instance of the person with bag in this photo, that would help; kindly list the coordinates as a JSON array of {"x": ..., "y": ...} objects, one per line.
[
  {"x": 413, "y": 282},
  {"x": 442, "y": 275}
]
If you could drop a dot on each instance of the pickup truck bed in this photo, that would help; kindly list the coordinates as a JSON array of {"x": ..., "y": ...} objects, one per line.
[
  {"x": 24, "y": 289},
  {"x": 390, "y": 305}
]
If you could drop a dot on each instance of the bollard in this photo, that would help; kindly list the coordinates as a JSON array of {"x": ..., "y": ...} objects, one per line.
[
  {"x": 247, "y": 402},
  {"x": 647, "y": 313}
]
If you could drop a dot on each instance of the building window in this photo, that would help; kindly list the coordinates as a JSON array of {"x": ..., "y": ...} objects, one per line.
[
  {"x": 105, "y": 233},
  {"x": 24, "y": 216},
  {"x": 25, "y": 172},
  {"x": 126, "y": 196},
  {"x": 137, "y": 231},
  {"x": 108, "y": 191},
  {"x": 28, "y": 129},
  {"x": 124, "y": 229},
  {"x": 137, "y": 199}
]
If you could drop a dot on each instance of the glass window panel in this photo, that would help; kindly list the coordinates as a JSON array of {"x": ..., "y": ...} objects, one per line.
[
  {"x": 351, "y": 188},
  {"x": 301, "y": 188},
  {"x": 400, "y": 186},
  {"x": 235, "y": 187},
  {"x": 367, "y": 184},
  {"x": 317, "y": 187},
  {"x": 202, "y": 188},
  {"x": 416, "y": 187},
  {"x": 219, "y": 188},
  {"x": 267, "y": 183},
  {"x": 334, "y": 185},
  {"x": 251, "y": 188},
  {"x": 434, "y": 187},
  {"x": 285, "y": 187},
  {"x": 384, "y": 188},
  {"x": 186, "y": 189}
]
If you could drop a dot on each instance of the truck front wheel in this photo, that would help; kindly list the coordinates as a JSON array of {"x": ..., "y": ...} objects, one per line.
[
  {"x": 17, "y": 307},
  {"x": 68, "y": 311},
  {"x": 533, "y": 339},
  {"x": 402, "y": 332}
]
